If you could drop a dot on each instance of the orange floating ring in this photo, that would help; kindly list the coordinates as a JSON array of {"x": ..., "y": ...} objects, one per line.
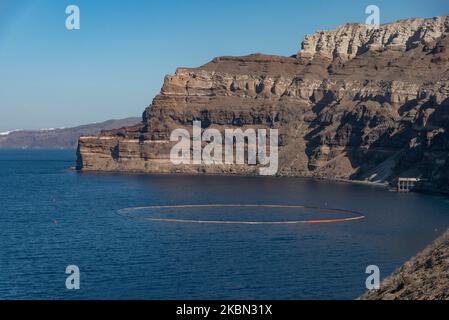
[{"x": 357, "y": 215}]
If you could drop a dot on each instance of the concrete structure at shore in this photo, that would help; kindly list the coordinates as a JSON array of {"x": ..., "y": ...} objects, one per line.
[{"x": 407, "y": 184}]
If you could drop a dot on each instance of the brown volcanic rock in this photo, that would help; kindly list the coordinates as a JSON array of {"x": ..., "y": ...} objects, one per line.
[
  {"x": 64, "y": 138},
  {"x": 355, "y": 103},
  {"x": 424, "y": 277}
]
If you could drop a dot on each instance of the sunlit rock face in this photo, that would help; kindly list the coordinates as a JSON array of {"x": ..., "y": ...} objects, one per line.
[
  {"x": 354, "y": 39},
  {"x": 355, "y": 103}
]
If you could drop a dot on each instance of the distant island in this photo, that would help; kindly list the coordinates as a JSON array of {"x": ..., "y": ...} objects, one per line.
[
  {"x": 64, "y": 138},
  {"x": 356, "y": 103}
]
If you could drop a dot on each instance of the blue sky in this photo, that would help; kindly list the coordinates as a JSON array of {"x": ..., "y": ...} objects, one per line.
[{"x": 115, "y": 64}]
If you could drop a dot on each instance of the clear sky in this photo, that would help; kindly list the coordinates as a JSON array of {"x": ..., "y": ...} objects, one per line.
[{"x": 115, "y": 64}]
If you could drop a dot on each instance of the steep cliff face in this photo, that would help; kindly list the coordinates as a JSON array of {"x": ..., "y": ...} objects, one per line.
[{"x": 354, "y": 103}]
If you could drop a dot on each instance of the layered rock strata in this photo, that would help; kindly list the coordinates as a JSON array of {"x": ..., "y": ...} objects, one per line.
[{"x": 355, "y": 103}]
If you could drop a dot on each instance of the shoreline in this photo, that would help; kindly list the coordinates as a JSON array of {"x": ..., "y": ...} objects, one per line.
[{"x": 335, "y": 180}]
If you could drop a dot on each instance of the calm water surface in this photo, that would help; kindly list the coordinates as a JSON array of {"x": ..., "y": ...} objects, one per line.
[{"x": 51, "y": 217}]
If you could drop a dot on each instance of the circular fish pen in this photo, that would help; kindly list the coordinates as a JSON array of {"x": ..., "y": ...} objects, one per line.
[{"x": 202, "y": 212}]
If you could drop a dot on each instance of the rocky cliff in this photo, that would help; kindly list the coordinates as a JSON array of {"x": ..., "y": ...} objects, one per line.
[{"x": 355, "y": 103}]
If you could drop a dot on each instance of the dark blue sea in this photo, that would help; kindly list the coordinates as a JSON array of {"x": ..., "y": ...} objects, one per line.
[{"x": 52, "y": 217}]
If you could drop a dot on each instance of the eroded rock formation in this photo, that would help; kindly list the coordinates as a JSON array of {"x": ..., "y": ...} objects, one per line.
[{"x": 354, "y": 103}]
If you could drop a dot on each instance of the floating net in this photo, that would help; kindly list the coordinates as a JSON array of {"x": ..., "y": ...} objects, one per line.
[{"x": 245, "y": 214}]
